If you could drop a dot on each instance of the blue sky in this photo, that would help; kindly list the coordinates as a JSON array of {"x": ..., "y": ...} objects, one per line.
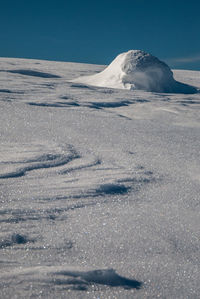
[{"x": 96, "y": 31}]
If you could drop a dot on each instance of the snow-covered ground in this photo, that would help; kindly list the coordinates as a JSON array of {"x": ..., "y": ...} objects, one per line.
[{"x": 99, "y": 187}]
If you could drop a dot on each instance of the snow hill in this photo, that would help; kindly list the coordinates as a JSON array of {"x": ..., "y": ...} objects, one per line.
[{"x": 137, "y": 69}]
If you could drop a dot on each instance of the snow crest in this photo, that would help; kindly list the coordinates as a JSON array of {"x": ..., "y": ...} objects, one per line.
[{"x": 137, "y": 69}]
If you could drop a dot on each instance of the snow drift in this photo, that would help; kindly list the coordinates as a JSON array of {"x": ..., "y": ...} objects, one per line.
[
  {"x": 99, "y": 187},
  {"x": 137, "y": 69}
]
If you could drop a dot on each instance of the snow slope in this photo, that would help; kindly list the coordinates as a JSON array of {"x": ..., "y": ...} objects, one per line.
[
  {"x": 137, "y": 69},
  {"x": 99, "y": 187}
]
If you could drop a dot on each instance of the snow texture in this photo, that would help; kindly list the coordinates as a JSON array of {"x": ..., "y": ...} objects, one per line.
[
  {"x": 137, "y": 69},
  {"x": 99, "y": 186}
]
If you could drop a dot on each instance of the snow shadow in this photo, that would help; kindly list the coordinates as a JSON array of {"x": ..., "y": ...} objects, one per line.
[
  {"x": 5, "y": 91},
  {"x": 33, "y": 73},
  {"x": 14, "y": 216},
  {"x": 54, "y": 105},
  {"x": 11, "y": 91},
  {"x": 44, "y": 161},
  {"x": 179, "y": 87},
  {"x": 153, "y": 80},
  {"x": 102, "y": 190},
  {"x": 188, "y": 102},
  {"x": 14, "y": 239},
  {"x": 82, "y": 86},
  {"x": 99, "y": 105},
  {"x": 111, "y": 189},
  {"x": 94, "y": 88},
  {"x": 142, "y": 101},
  {"x": 82, "y": 280},
  {"x": 81, "y": 166}
]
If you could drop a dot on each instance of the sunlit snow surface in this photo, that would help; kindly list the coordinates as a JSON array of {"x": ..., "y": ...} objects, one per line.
[{"x": 99, "y": 187}]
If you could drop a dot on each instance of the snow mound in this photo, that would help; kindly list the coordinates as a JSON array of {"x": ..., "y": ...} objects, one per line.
[{"x": 137, "y": 69}]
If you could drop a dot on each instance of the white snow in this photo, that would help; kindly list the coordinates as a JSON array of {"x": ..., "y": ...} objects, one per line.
[
  {"x": 99, "y": 187},
  {"x": 137, "y": 69}
]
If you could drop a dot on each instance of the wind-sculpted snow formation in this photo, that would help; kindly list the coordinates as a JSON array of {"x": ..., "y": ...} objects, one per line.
[
  {"x": 99, "y": 187},
  {"x": 137, "y": 69}
]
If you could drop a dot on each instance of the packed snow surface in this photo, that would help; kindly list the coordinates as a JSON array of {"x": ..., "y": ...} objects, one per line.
[
  {"x": 137, "y": 69},
  {"x": 99, "y": 187}
]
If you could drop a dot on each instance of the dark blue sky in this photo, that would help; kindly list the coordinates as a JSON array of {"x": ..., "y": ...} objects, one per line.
[{"x": 96, "y": 31}]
